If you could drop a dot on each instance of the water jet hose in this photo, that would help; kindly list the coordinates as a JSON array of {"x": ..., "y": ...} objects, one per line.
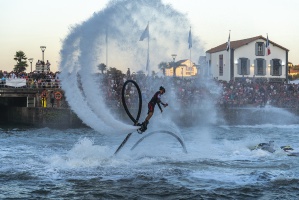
[
  {"x": 125, "y": 104},
  {"x": 135, "y": 121}
]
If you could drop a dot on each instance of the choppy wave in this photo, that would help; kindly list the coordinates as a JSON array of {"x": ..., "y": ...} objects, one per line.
[{"x": 79, "y": 163}]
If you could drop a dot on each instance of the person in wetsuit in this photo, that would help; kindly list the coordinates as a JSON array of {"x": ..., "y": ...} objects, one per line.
[{"x": 156, "y": 99}]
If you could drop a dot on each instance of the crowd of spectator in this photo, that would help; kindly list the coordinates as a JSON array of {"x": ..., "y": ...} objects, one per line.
[
  {"x": 179, "y": 91},
  {"x": 33, "y": 79},
  {"x": 244, "y": 93},
  {"x": 197, "y": 91}
]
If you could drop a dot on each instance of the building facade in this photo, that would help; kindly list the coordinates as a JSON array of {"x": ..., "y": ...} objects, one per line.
[
  {"x": 248, "y": 58},
  {"x": 183, "y": 68}
]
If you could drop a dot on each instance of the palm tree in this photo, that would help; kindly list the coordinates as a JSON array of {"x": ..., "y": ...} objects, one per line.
[
  {"x": 162, "y": 66},
  {"x": 21, "y": 59},
  {"x": 102, "y": 67}
]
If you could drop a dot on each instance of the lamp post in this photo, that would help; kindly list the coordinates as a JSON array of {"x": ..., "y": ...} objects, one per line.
[
  {"x": 30, "y": 60},
  {"x": 173, "y": 64},
  {"x": 182, "y": 72},
  {"x": 43, "y": 48},
  {"x": 198, "y": 71}
]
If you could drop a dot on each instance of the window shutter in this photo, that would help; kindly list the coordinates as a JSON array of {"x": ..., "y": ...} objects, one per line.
[
  {"x": 239, "y": 66},
  {"x": 248, "y": 67},
  {"x": 280, "y": 68},
  {"x": 264, "y": 67},
  {"x": 263, "y": 49},
  {"x": 256, "y": 48},
  {"x": 271, "y": 67},
  {"x": 255, "y": 67}
]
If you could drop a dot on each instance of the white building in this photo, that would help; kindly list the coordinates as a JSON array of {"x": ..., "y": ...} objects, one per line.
[
  {"x": 248, "y": 58},
  {"x": 183, "y": 68}
]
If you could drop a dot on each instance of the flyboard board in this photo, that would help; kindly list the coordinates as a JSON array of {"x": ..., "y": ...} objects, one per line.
[{"x": 141, "y": 127}]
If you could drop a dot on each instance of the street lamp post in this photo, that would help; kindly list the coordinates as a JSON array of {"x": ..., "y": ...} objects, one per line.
[
  {"x": 198, "y": 70},
  {"x": 173, "y": 64},
  {"x": 43, "y": 48},
  {"x": 30, "y": 60},
  {"x": 182, "y": 72}
]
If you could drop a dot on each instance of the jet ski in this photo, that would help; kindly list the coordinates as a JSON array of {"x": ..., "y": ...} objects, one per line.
[
  {"x": 265, "y": 146},
  {"x": 289, "y": 150}
]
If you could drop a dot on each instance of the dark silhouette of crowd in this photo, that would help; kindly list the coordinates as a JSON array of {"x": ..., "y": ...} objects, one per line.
[
  {"x": 251, "y": 93},
  {"x": 194, "y": 91},
  {"x": 180, "y": 91}
]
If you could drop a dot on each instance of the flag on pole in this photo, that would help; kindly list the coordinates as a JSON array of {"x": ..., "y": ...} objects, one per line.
[
  {"x": 190, "y": 39},
  {"x": 145, "y": 34},
  {"x": 228, "y": 43},
  {"x": 268, "y": 46},
  {"x": 147, "y": 63}
]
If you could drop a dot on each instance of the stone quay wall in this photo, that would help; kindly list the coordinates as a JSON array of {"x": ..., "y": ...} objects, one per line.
[
  {"x": 40, "y": 117},
  {"x": 65, "y": 118}
]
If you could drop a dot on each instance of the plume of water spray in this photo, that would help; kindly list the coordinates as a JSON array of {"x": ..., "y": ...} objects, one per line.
[{"x": 122, "y": 22}]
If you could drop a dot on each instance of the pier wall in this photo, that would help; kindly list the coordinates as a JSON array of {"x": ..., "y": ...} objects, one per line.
[
  {"x": 40, "y": 117},
  {"x": 66, "y": 118}
]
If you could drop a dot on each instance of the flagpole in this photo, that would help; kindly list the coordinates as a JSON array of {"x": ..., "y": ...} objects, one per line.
[
  {"x": 266, "y": 52},
  {"x": 190, "y": 49},
  {"x": 229, "y": 57},
  {"x": 190, "y": 58},
  {"x": 208, "y": 69},
  {"x": 106, "y": 47},
  {"x": 267, "y": 56},
  {"x": 143, "y": 36},
  {"x": 147, "y": 62}
]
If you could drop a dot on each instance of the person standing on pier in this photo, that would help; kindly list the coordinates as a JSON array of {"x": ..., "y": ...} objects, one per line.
[
  {"x": 52, "y": 98},
  {"x": 44, "y": 98}
]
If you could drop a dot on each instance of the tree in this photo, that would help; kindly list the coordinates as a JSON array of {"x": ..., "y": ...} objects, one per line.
[
  {"x": 140, "y": 74},
  {"x": 114, "y": 72},
  {"x": 154, "y": 73},
  {"x": 162, "y": 66},
  {"x": 102, "y": 67},
  {"x": 21, "y": 59}
]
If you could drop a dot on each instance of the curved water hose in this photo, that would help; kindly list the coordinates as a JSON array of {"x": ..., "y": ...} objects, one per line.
[
  {"x": 125, "y": 104},
  {"x": 127, "y": 110},
  {"x": 162, "y": 131}
]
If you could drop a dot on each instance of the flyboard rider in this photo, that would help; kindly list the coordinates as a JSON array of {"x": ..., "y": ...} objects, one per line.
[{"x": 156, "y": 99}]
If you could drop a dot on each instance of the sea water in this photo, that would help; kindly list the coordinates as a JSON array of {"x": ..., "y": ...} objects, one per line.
[{"x": 80, "y": 164}]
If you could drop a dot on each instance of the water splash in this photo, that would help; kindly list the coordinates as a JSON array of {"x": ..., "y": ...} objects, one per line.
[{"x": 121, "y": 23}]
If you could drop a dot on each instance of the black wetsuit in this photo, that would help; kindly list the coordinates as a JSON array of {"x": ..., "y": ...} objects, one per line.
[{"x": 156, "y": 99}]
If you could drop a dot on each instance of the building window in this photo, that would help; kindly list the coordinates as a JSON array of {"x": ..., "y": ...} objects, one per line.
[
  {"x": 243, "y": 66},
  {"x": 220, "y": 65},
  {"x": 275, "y": 68},
  {"x": 259, "y": 49},
  {"x": 260, "y": 67}
]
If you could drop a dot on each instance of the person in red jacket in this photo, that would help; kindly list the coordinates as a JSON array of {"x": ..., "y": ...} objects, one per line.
[{"x": 156, "y": 99}]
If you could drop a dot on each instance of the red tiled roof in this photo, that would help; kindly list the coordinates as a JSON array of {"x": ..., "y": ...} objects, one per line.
[
  {"x": 239, "y": 43},
  {"x": 294, "y": 70}
]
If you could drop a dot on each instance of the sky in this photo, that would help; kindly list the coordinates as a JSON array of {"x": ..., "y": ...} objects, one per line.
[{"x": 28, "y": 24}]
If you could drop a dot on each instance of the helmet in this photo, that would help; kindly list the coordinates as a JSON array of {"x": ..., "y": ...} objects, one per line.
[{"x": 162, "y": 88}]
